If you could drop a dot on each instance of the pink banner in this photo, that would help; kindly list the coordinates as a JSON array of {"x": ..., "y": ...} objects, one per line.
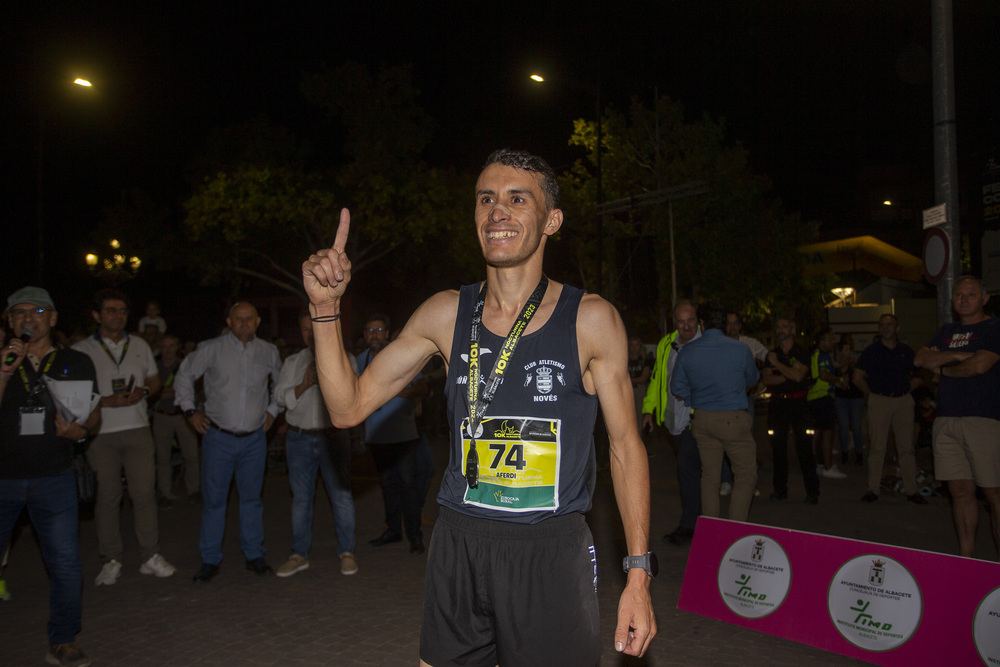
[{"x": 883, "y": 604}]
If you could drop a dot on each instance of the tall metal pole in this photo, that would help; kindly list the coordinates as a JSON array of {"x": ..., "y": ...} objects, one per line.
[
  {"x": 40, "y": 204},
  {"x": 673, "y": 260},
  {"x": 945, "y": 150},
  {"x": 600, "y": 191}
]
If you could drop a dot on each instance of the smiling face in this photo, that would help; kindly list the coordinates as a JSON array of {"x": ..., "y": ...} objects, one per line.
[
  {"x": 686, "y": 320},
  {"x": 511, "y": 217},
  {"x": 24, "y": 317}
]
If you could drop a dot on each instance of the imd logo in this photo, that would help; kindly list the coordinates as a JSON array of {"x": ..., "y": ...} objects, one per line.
[
  {"x": 754, "y": 576},
  {"x": 875, "y": 603}
]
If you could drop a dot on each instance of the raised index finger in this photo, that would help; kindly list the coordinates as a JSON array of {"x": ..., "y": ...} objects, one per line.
[{"x": 340, "y": 242}]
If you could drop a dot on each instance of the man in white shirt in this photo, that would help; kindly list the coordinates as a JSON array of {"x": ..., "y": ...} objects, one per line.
[
  {"x": 126, "y": 375},
  {"x": 240, "y": 371},
  {"x": 670, "y": 411},
  {"x": 734, "y": 330},
  {"x": 314, "y": 443}
]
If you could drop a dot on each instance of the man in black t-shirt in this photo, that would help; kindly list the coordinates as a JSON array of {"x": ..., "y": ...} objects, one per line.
[
  {"x": 35, "y": 451},
  {"x": 785, "y": 373},
  {"x": 967, "y": 427}
]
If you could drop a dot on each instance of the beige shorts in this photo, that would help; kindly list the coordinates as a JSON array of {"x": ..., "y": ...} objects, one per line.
[{"x": 967, "y": 448}]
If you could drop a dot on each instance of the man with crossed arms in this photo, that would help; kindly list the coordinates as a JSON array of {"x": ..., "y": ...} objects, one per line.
[{"x": 967, "y": 427}]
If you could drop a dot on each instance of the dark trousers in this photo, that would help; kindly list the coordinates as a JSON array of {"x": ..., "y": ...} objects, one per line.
[
  {"x": 689, "y": 477},
  {"x": 400, "y": 473},
  {"x": 785, "y": 413}
]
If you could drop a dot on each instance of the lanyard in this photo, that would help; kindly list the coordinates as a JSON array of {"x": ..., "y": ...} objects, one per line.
[
  {"x": 173, "y": 370},
  {"x": 117, "y": 363},
  {"x": 42, "y": 371},
  {"x": 477, "y": 403}
]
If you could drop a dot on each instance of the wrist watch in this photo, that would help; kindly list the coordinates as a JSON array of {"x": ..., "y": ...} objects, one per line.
[
  {"x": 189, "y": 413},
  {"x": 647, "y": 562}
]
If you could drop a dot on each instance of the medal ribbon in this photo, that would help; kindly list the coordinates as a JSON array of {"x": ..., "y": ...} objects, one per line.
[{"x": 478, "y": 403}]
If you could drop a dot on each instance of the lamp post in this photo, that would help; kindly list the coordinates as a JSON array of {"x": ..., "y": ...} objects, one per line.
[
  {"x": 599, "y": 222},
  {"x": 40, "y": 208},
  {"x": 116, "y": 267}
]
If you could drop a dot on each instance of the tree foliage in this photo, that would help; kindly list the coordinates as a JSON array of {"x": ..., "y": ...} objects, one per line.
[
  {"x": 259, "y": 209},
  {"x": 736, "y": 244},
  {"x": 404, "y": 205},
  {"x": 260, "y": 223}
]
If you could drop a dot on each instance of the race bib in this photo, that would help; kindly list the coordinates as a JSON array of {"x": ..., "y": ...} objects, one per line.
[{"x": 518, "y": 463}]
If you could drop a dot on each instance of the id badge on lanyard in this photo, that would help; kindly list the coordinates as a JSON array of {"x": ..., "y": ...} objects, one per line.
[{"x": 32, "y": 419}]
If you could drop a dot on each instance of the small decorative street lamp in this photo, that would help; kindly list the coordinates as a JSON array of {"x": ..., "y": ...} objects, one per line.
[{"x": 116, "y": 267}]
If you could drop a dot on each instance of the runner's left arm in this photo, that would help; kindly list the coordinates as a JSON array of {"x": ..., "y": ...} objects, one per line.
[{"x": 604, "y": 356}]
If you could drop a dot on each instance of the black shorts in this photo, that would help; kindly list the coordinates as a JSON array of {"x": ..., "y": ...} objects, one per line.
[
  {"x": 510, "y": 594},
  {"x": 823, "y": 413}
]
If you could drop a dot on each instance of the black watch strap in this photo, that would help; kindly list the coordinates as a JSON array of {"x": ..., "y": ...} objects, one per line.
[{"x": 647, "y": 562}]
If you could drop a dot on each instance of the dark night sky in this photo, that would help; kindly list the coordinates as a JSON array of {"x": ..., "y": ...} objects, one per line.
[{"x": 817, "y": 91}]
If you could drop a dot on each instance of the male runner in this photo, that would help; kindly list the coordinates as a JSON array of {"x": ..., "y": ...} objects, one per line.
[{"x": 511, "y": 568}]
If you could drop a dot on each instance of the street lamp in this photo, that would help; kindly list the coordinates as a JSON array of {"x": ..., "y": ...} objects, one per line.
[
  {"x": 599, "y": 225},
  {"x": 116, "y": 267},
  {"x": 40, "y": 209}
]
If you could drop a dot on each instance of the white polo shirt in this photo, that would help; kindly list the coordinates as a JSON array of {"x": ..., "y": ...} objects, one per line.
[{"x": 128, "y": 358}]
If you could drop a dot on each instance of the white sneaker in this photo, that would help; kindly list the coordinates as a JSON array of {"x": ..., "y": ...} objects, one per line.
[
  {"x": 833, "y": 473},
  {"x": 109, "y": 573},
  {"x": 725, "y": 489},
  {"x": 348, "y": 564},
  {"x": 295, "y": 563},
  {"x": 157, "y": 565}
]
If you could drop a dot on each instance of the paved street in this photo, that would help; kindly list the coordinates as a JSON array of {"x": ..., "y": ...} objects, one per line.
[{"x": 319, "y": 617}]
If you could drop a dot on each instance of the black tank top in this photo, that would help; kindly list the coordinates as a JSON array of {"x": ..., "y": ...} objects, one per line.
[{"x": 535, "y": 445}]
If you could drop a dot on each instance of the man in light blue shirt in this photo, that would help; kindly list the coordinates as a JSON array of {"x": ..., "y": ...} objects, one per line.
[
  {"x": 712, "y": 375},
  {"x": 394, "y": 441},
  {"x": 240, "y": 372}
]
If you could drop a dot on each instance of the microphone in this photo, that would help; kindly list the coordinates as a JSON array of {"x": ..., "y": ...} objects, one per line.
[{"x": 25, "y": 336}]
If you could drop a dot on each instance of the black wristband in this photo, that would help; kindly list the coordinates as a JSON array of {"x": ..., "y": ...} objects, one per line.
[{"x": 326, "y": 318}]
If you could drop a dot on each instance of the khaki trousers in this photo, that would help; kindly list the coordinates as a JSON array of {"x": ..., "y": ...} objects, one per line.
[
  {"x": 109, "y": 454},
  {"x": 895, "y": 412},
  {"x": 719, "y": 433}
]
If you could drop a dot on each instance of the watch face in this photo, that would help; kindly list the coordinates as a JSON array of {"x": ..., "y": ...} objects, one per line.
[{"x": 654, "y": 566}]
